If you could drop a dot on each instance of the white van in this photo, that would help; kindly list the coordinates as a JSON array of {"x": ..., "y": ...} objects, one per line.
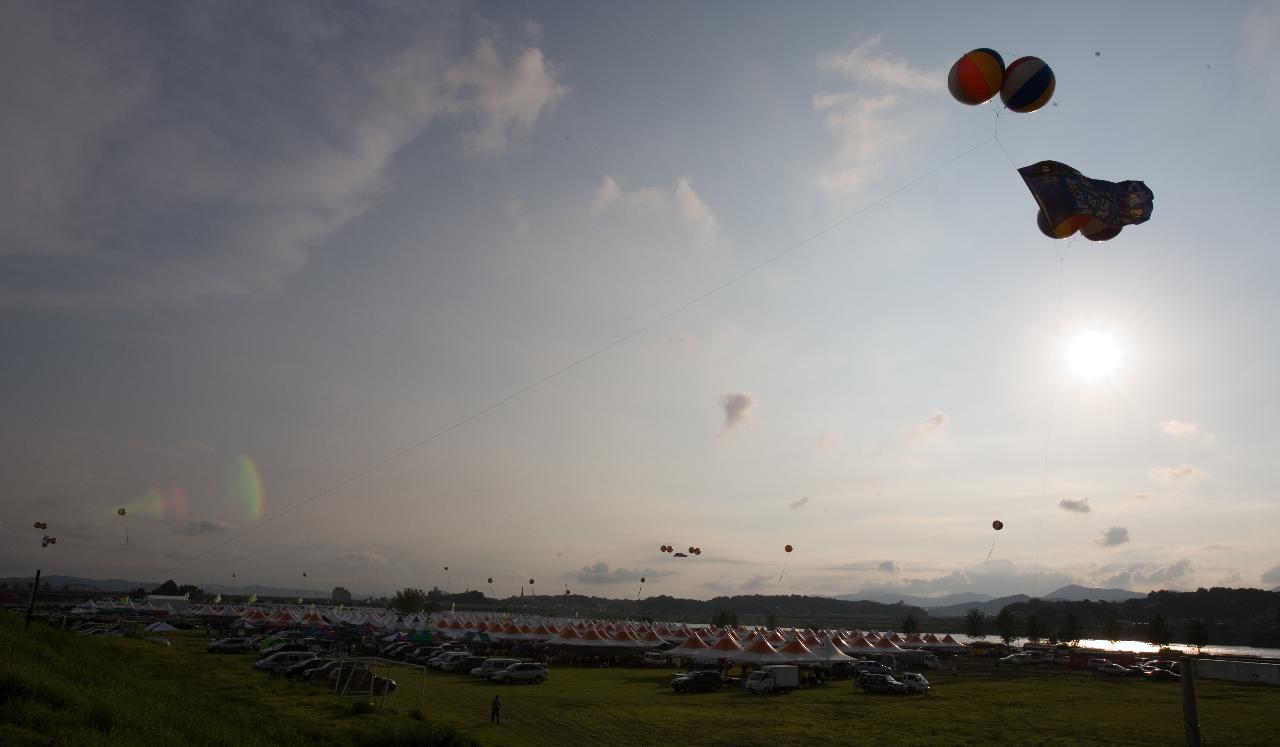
[{"x": 491, "y": 667}]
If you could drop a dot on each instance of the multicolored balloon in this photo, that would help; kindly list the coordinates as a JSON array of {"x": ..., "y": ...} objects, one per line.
[
  {"x": 1070, "y": 201},
  {"x": 976, "y": 77},
  {"x": 1028, "y": 85}
]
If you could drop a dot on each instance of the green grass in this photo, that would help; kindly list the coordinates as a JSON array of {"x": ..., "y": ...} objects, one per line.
[{"x": 61, "y": 689}]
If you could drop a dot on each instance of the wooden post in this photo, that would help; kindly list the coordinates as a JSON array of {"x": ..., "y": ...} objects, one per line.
[
  {"x": 1190, "y": 719},
  {"x": 31, "y": 604}
]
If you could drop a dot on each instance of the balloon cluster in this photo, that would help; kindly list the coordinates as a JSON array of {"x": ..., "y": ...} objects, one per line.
[
  {"x": 121, "y": 512},
  {"x": 41, "y": 525},
  {"x": 47, "y": 540},
  {"x": 1024, "y": 86}
]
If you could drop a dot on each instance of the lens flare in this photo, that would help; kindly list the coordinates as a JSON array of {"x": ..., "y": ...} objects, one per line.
[{"x": 244, "y": 487}]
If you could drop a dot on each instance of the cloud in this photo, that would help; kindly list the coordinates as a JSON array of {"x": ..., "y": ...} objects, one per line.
[
  {"x": 1140, "y": 496},
  {"x": 1079, "y": 505},
  {"x": 929, "y": 427},
  {"x": 1272, "y": 576},
  {"x": 888, "y": 566},
  {"x": 1113, "y": 536},
  {"x": 1183, "y": 473},
  {"x": 682, "y": 202},
  {"x": 801, "y": 503},
  {"x": 864, "y": 65},
  {"x": 600, "y": 573},
  {"x": 1184, "y": 429},
  {"x": 827, "y": 443},
  {"x": 140, "y": 175},
  {"x": 363, "y": 557},
  {"x": 737, "y": 409},
  {"x": 726, "y": 587},
  {"x": 1148, "y": 575},
  {"x": 205, "y": 527},
  {"x": 861, "y": 119},
  {"x": 999, "y": 577}
]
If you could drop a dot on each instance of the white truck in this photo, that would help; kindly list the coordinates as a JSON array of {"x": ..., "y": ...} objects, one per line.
[{"x": 773, "y": 678}]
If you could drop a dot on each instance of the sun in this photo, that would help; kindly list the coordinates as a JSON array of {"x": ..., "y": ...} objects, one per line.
[{"x": 1093, "y": 355}]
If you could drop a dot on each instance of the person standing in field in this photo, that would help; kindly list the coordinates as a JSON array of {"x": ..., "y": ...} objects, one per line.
[{"x": 495, "y": 710}]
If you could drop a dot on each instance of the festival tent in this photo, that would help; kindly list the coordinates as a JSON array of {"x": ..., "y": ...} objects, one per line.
[
  {"x": 827, "y": 651},
  {"x": 759, "y": 652},
  {"x": 726, "y": 648},
  {"x": 160, "y": 627},
  {"x": 795, "y": 651},
  {"x": 692, "y": 647}
]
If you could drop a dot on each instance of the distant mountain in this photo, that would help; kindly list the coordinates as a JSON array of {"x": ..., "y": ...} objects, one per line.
[
  {"x": 885, "y": 596},
  {"x": 57, "y": 582},
  {"x": 1073, "y": 593},
  {"x": 990, "y": 607},
  {"x": 95, "y": 586}
]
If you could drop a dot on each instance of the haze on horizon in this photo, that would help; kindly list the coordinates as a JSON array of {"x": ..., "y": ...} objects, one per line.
[{"x": 246, "y": 254}]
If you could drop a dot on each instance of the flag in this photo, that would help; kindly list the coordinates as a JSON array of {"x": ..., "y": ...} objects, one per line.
[
  {"x": 218, "y": 599},
  {"x": 123, "y": 600},
  {"x": 187, "y": 596},
  {"x": 253, "y": 598}
]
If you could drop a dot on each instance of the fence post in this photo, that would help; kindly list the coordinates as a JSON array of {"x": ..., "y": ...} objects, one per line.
[{"x": 31, "y": 604}]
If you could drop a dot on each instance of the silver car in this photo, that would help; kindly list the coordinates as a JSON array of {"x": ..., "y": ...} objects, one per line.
[{"x": 532, "y": 673}]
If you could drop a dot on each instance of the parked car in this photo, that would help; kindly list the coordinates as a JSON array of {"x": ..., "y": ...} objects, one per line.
[
  {"x": 534, "y": 674},
  {"x": 1111, "y": 669},
  {"x": 1157, "y": 673},
  {"x": 228, "y": 646},
  {"x": 281, "y": 648},
  {"x": 451, "y": 660},
  {"x": 471, "y": 662},
  {"x": 492, "y": 666},
  {"x": 278, "y": 661},
  {"x": 881, "y": 683},
  {"x": 1166, "y": 664},
  {"x": 915, "y": 683},
  {"x": 321, "y": 673},
  {"x": 303, "y": 669},
  {"x": 1020, "y": 658},
  {"x": 702, "y": 681},
  {"x": 866, "y": 666}
]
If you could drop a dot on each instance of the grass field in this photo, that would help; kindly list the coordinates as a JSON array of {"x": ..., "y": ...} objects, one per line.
[{"x": 59, "y": 689}]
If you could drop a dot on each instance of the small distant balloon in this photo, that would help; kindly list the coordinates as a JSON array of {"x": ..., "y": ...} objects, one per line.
[
  {"x": 446, "y": 567},
  {"x": 121, "y": 512},
  {"x": 41, "y": 525},
  {"x": 691, "y": 549},
  {"x": 490, "y": 580},
  {"x": 788, "y": 548},
  {"x": 642, "y": 579},
  {"x": 697, "y": 551},
  {"x": 47, "y": 540},
  {"x": 566, "y": 592},
  {"x": 997, "y": 525},
  {"x": 531, "y": 582}
]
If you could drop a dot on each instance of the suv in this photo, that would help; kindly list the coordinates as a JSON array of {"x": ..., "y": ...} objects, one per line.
[
  {"x": 705, "y": 680},
  {"x": 882, "y": 683},
  {"x": 533, "y": 673},
  {"x": 915, "y": 683},
  {"x": 451, "y": 662},
  {"x": 490, "y": 667},
  {"x": 867, "y": 666}
]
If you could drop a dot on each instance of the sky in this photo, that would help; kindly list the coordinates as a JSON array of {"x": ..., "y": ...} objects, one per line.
[{"x": 532, "y": 290}]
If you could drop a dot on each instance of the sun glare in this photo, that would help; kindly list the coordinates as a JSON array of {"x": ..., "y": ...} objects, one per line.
[{"x": 1093, "y": 355}]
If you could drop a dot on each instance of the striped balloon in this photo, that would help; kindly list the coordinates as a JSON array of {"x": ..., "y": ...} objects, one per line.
[
  {"x": 976, "y": 77},
  {"x": 1096, "y": 230},
  {"x": 1028, "y": 84},
  {"x": 1063, "y": 229}
]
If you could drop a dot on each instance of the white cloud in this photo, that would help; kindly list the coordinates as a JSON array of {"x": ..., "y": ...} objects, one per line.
[
  {"x": 1140, "y": 496},
  {"x": 887, "y": 566},
  {"x": 154, "y": 178},
  {"x": 205, "y": 527},
  {"x": 1184, "y": 429},
  {"x": 864, "y": 65},
  {"x": 681, "y": 201},
  {"x": 1272, "y": 576},
  {"x": 1113, "y": 536},
  {"x": 929, "y": 427},
  {"x": 801, "y": 503},
  {"x": 364, "y": 557},
  {"x": 737, "y": 408},
  {"x": 1147, "y": 575},
  {"x": 866, "y": 135},
  {"x": 861, "y": 119},
  {"x": 600, "y": 573},
  {"x": 1183, "y": 473},
  {"x": 1079, "y": 505}
]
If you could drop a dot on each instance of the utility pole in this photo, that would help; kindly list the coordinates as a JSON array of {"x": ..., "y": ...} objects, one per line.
[
  {"x": 1190, "y": 718},
  {"x": 31, "y": 604}
]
